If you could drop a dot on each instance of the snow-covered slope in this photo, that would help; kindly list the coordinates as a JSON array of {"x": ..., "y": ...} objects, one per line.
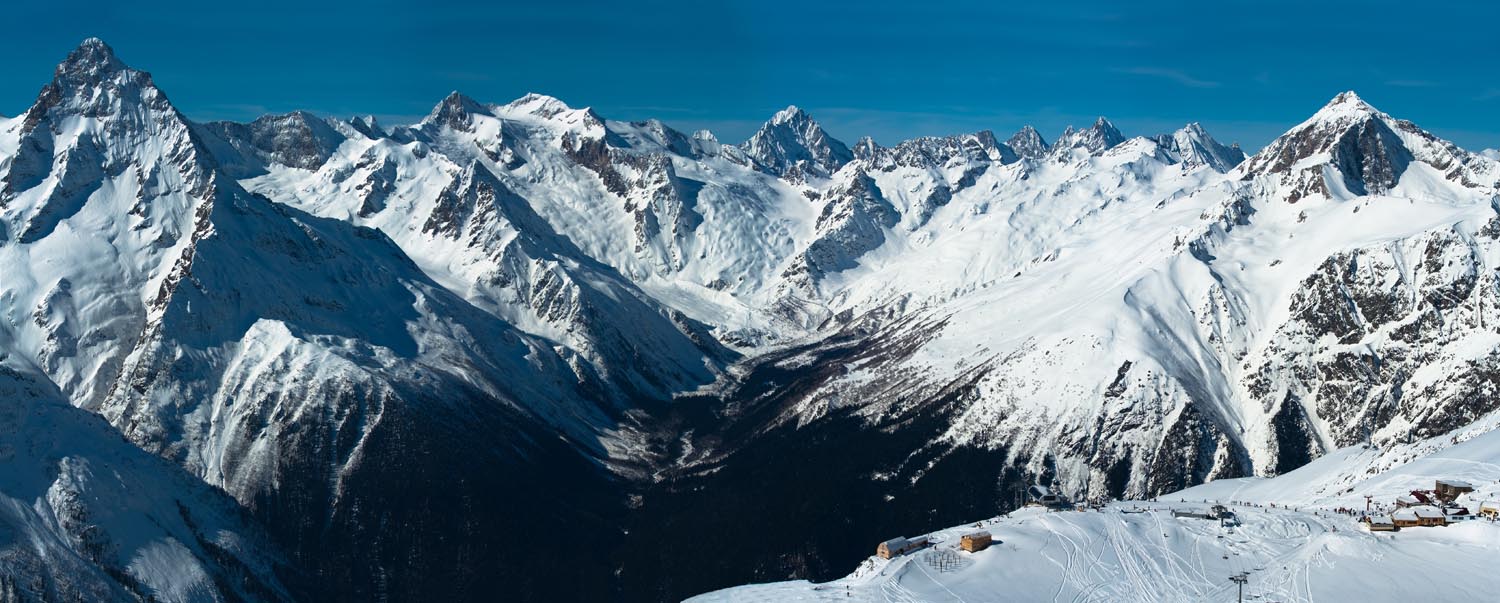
[
  {"x": 1140, "y": 552},
  {"x": 86, "y": 516},
  {"x": 1290, "y": 538}
]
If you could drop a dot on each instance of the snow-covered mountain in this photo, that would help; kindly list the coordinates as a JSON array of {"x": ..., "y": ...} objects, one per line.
[
  {"x": 528, "y": 320},
  {"x": 295, "y": 362}
]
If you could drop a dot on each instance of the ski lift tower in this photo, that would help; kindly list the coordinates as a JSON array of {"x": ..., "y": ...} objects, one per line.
[{"x": 1240, "y": 579}]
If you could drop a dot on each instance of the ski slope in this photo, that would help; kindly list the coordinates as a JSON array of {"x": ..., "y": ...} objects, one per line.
[
  {"x": 1118, "y": 554},
  {"x": 1291, "y": 542}
]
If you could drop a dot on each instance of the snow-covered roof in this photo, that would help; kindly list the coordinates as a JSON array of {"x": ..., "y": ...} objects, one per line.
[
  {"x": 1382, "y": 520},
  {"x": 1427, "y": 512},
  {"x": 895, "y": 543},
  {"x": 979, "y": 534},
  {"x": 1407, "y": 499},
  {"x": 1404, "y": 515},
  {"x": 1454, "y": 483}
]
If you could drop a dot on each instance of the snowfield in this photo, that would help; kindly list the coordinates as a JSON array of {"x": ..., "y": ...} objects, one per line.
[
  {"x": 1290, "y": 540},
  {"x": 1119, "y": 554}
]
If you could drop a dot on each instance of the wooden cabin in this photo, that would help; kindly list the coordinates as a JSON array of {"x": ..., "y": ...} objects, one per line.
[
  {"x": 1424, "y": 515},
  {"x": 1380, "y": 523},
  {"x": 974, "y": 542},
  {"x": 1430, "y": 516},
  {"x": 899, "y": 546},
  {"x": 1448, "y": 490}
]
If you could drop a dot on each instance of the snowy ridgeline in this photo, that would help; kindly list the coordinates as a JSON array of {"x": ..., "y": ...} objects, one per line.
[{"x": 1300, "y": 549}]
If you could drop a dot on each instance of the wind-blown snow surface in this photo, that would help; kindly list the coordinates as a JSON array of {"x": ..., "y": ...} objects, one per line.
[{"x": 1290, "y": 540}]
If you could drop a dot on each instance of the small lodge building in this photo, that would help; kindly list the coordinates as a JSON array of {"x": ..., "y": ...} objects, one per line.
[
  {"x": 1407, "y": 500},
  {"x": 1380, "y": 523},
  {"x": 974, "y": 542},
  {"x": 1419, "y": 516},
  {"x": 1044, "y": 496},
  {"x": 1456, "y": 513},
  {"x": 1448, "y": 490},
  {"x": 1430, "y": 516},
  {"x": 899, "y": 546},
  {"x": 1490, "y": 509}
]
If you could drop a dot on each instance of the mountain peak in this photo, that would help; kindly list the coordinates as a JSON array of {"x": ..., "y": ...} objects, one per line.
[
  {"x": 367, "y": 125},
  {"x": 1348, "y": 134},
  {"x": 540, "y": 105},
  {"x": 91, "y": 56},
  {"x": 792, "y": 137},
  {"x": 1028, "y": 143},
  {"x": 1098, "y": 137},
  {"x": 1346, "y": 106},
  {"x": 88, "y": 65},
  {"x": 454, "y": 111},
  {"x": 1348, "y": 97},
  {"x": 1191, "y": 146},
  {"x": 93, "y": 81},
  {"x": 792, "y": 114}
]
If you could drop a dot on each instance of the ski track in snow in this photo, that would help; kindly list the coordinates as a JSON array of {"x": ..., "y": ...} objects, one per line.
[{"x": 1299, "y": 550}]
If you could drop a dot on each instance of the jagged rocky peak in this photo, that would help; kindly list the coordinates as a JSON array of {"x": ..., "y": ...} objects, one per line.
[
  {"x": 1192, "y": 146},
  {"x": 793, "y": 140},
  {"x": 866, "y": 148},
  {"x": 92, "y": 84},
  {"x": 367, "y": 125},
  {"x": 455, "y": 112},
  {"x": 92, "y": 81},
  {"x": 1096, "y": 138},
  {"x": 1348, "y": 134},
  {"x": 90, "y": 63},
  {"x": 1028, "y": 143},
  {"x": 298, "y": 139},
  {"x": 936, "y": 151}
]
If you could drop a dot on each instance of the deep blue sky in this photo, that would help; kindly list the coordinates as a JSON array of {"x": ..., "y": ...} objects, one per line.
[{"x": 1247, "y": 70}]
